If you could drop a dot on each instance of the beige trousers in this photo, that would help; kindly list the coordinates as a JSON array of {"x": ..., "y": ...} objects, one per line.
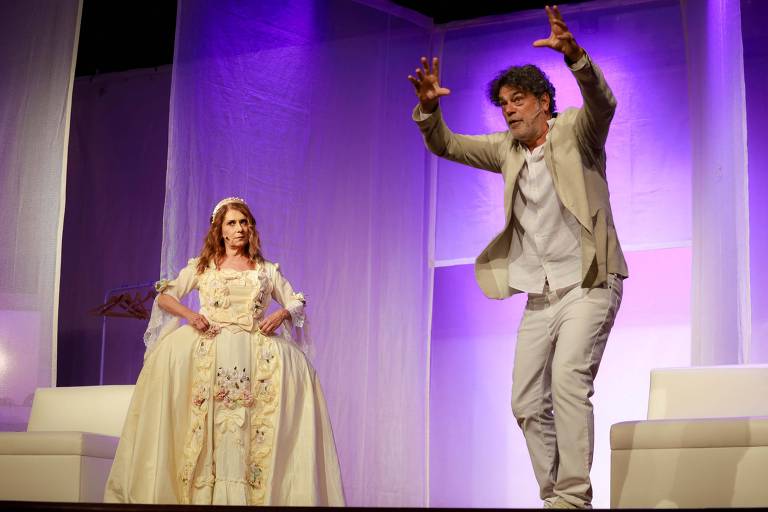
[{"x": 560, "y": 342}]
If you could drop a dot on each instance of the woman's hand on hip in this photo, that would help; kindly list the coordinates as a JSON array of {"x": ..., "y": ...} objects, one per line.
[
  {"x": 199, "y": 322},
  {"x": 268, "y": 325}
]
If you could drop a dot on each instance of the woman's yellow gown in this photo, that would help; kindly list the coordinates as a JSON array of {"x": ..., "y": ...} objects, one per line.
[{"x": 230, "y": 416}]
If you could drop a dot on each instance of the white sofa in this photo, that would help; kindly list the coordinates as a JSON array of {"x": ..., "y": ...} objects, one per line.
[
  {"x": 69, "y": 445},
  {"x": 704, "y": 444}
]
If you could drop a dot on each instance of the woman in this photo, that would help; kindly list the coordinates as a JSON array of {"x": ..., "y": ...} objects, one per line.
[{"x": 225, "y": 410}]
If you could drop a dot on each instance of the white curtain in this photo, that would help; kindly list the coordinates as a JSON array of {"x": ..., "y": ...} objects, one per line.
[
  {"x": 303, "y": 109},
  {"x": 721, "y": 311},
  {"x": 38, "y": 44}
]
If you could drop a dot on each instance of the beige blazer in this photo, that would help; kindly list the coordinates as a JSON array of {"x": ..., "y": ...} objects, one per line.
[{"x": 574, "y": 153}]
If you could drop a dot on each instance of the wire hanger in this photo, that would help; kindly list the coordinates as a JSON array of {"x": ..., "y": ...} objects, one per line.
[{"x": 125, "y": 305}]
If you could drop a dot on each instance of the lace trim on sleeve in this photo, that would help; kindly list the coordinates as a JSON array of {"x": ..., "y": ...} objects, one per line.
[
  {"x": 160, "y": 324},
  {"x": 295, "y": 329},
  {"x": 300, "y": 324},
  {"x": 296, "y": 308}
]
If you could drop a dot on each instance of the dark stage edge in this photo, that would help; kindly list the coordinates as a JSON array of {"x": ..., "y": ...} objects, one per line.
[{"x": 48, "y": 506}]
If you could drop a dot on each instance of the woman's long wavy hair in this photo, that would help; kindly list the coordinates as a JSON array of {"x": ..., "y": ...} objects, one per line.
[{"x": 213, "y": 246}]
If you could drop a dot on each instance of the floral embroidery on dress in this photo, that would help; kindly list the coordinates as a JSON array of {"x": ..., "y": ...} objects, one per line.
[
  {"x": 203, "y": 360},
  {"x": 255, "y": 476},
  {"x": 200, "y": 396},
  {"x": 219, "y": 296},
  {"x": 261, "y": 298},
  {"x": 260, "y": 433},
  {"x": 266, "y": 357},
  {"x": 257, "y": 305},
  {"x": 162, "y": 285},
  {"x": 265, "y": 390},
  {"x": 233, "y": 388},
  {"x": 266, "y": 401},
  {"x": 186, "y": 474}
]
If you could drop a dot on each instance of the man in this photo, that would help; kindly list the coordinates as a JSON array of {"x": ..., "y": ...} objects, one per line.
[{"x": 559, "y": 245}]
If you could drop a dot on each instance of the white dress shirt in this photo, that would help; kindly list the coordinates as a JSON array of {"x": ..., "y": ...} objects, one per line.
[{"x": 546, "y": 236}]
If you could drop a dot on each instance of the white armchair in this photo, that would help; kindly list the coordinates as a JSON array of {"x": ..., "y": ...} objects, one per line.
[
  {"x": 704, "y": 444},
  {"x": 67, "y": 451}
]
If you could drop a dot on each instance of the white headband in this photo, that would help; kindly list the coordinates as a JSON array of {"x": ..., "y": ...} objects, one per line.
[{"x": 226, "y": 201}]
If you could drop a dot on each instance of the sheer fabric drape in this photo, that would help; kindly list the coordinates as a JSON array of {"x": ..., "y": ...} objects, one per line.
[
  {"x": 301, "y": 108},
  {"x": 38, "y": 42},
  {"x": 721, "y": 311}
]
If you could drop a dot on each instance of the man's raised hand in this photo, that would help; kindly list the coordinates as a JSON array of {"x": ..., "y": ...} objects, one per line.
[
  {"x": 427, "y": 85},
  {"x": 560, "y": 39}
]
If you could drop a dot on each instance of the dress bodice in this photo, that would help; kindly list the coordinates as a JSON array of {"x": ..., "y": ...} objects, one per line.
[
  {"x": 230, "y": 299},
  {"x": 234, "y": 298}
]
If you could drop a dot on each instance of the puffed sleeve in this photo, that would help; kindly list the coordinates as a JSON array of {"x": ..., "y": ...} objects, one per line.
[
  {"x": 295, "y": 303},
  {"x": 283, "y": 292},
  {"x": 161, "y": 323}
]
